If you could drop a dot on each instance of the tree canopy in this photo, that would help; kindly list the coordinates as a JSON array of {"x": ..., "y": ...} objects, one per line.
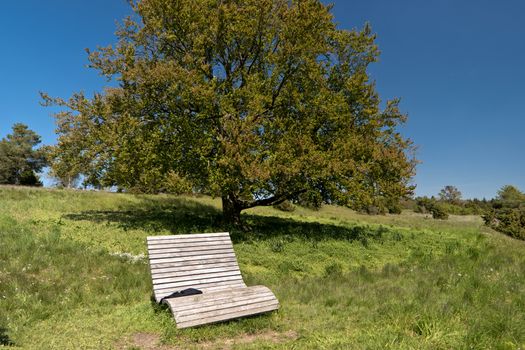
[
  {"x": 510, "y": 193},
  {"x": 450, "y": 194},
  {"x": 19, "y": 160},
  {"x": 255, "y": 101}
]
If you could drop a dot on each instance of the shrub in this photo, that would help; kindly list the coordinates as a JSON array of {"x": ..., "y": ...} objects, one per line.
[
  {"x": 507, "y": 214},
  {"x": 430, "y": 205},
  {"x": 510, "y": 221},
  {"x": 374, "y": 210},
  {"x": 285, "y": 206},
  {"x": 438, "y": 212},
  {"x": 423, "y": 205},
  {"x": 395, "y": 208},
  {"x": 333, "y": 270}
]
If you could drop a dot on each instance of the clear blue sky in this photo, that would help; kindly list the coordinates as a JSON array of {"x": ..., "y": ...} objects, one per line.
[{"x": 459, "y": 67}]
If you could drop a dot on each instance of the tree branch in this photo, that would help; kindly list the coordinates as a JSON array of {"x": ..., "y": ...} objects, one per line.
[{"x": 272, "y": 200}]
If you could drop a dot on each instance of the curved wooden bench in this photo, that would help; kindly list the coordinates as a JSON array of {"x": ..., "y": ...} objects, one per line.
[{"x": 205, "y": 262}]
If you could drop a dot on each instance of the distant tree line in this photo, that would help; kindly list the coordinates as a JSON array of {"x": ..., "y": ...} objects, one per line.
[
  {"x": 504, "y": 213},
  {"x": 450, "y": 202}
]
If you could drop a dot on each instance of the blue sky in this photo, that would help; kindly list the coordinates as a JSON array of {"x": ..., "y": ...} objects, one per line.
[{"x": 458, "y": 67}]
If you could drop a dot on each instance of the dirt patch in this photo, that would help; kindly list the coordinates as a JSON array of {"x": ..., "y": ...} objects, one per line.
[
  {"x": 143, "y": 341},
  {"x": 151, "y": 341},
  {"x": 269, "y": 336}
]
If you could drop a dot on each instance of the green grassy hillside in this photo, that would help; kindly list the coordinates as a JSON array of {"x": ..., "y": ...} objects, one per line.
[{"x": 73, "y": 276}]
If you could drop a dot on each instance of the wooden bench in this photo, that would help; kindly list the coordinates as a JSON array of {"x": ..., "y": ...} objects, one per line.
[{"x": 205, "y": 262}]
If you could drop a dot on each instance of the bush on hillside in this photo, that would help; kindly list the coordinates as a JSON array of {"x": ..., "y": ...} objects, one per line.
[
  {"x": 395, "y": 208},
  {"x": 461, "y": 207},
  {"x": 373, "y": 210},
  {"x": 286, "y": 206},
  {"x": 381, "y": 206},
  {"x": 438, "y": 212},
  {"x": 510, "y": 221},
  {"x": 430, "y": 205},
  {"x": 507, "y": 214}
]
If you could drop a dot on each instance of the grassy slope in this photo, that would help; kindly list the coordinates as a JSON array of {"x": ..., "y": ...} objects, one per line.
[{"x": 344, "y": 280}]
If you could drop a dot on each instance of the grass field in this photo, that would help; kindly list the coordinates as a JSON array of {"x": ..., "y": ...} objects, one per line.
[{"x": 73, "y": 276}]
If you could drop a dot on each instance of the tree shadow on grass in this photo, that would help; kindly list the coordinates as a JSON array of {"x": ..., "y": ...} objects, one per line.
[
  {"x": 177, "y": 215},
  {"x": 181, "y": 215},
  {"x": 271, "y": 227}
]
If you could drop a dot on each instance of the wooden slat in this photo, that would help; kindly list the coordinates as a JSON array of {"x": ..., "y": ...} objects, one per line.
[
  {"x": 240, "y": 312},
  {"x": 226, "y": 308},
  {"x": 194, "y": 269},
  {"x": 157, "y": 247},
  {"x": 184, "y": 264},
  {"x": 204, "y": 287},
  {"x": 219, "y": 286},
  {"x": 191, "y": 253},
  {"x": 156, "y": 262},
  {"x": 159, "y": 281},
  {"x": 184, "y": 247},
  {"x": 191, "y": 304},
  {"x": 190, "y": 235},
  {"x": 195, "y": 239},
  {"x": 218, "y": 295},
  {"x": 202, "y": 311},
  {"x": 160, "y": 244},
  {"x": 174, "y": 286},
  {"x": 191, "y": 260},
  {"x": 215, "y": 287},
  {"x": 218, "y": 304}
]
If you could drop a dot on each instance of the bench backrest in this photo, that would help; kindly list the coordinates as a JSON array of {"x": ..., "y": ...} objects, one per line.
[{"x": 203, "y": 261}]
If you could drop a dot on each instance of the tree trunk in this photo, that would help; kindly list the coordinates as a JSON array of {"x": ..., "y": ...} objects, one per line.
[{"x": 231, "y": 210}]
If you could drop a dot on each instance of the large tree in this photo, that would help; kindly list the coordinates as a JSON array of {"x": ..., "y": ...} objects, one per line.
[
  {"x": 255, "y": 101},
  {"x": 20, "y": 161}
]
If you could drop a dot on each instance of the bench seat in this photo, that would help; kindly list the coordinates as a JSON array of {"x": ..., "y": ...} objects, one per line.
[
  {"x": 221, "y": 305},
  {"x": 205, "y": 262}
]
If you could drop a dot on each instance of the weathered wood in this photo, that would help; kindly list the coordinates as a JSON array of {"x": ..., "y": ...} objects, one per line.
[
  {"x": 216, "y": 306},
  {"x": 182, "y": 271},
  {"x": 254, "y": 310},
  {"x": 194, "y": 272},
  {"x": 206, "y": 262},
  {"x": 212, "y": 261},
  {"x": 197, "y": 277},
  {"x": 172, "y": 248},
  {"x": 187, "y": 284},
  {"x": 193, "y": 242},
  {"x": 205, "y": 288},
  {"x": 189, "y": 239},
  {"x": 192, "y": 253},
  {"x": 192, "y": 258},
  {"x": 223, "y": 308},
  {"x": 238, "y": 299},
  {"x": 219, "y": 295},
  {"x": 190, "y": 235}
]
